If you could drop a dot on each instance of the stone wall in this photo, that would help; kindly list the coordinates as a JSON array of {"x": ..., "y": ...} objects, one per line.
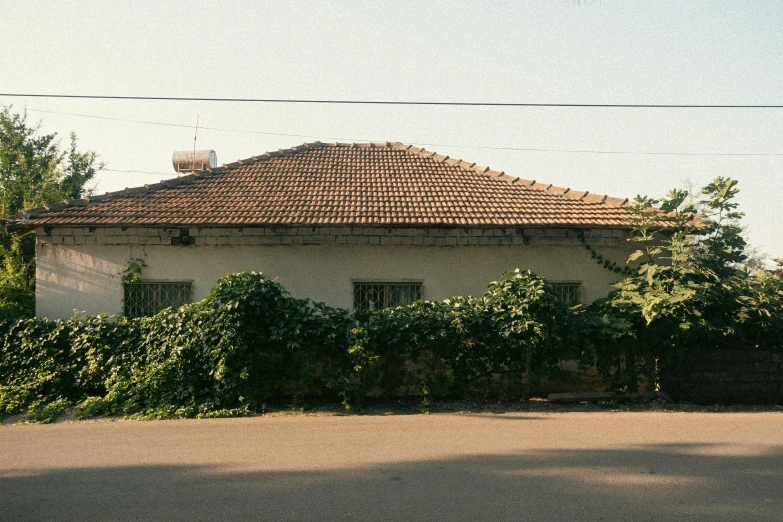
[
  {"x": 80, "y": 267},
  {"x": 728, "y": 377},
  {"x": 321, "y": 235}
]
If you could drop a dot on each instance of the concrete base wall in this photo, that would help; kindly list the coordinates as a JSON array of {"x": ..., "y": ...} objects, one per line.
[
  {"x": 81, "y": 269},
  {"x": 749, "y": 376}
]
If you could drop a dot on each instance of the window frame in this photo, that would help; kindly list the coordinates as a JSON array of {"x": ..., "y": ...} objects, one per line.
[
  {"x": 577, "y": 284},
  {"x": 146, "y": 309},
  {"x": 419, "y": 283}
]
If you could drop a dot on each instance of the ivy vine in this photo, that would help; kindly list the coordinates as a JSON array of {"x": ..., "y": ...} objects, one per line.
[
  {"x": 608, "y": 264},
  {"x": 132, "y": 272}
]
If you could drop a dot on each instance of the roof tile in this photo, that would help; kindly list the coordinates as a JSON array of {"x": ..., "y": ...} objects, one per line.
[{"x": 339, "y": 184}]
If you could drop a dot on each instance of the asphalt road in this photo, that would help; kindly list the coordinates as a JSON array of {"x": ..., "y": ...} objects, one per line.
[{"x": 561, "y": 466}]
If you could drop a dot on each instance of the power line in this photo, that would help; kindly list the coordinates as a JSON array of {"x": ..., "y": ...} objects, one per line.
[
  {"x": 444, "y": 145},
  {"x": 626, "y": 152},
  {"x": 392, "y": 102},
  {"x": 178, "y": 125},
  {"x": 139, "y": 172}
]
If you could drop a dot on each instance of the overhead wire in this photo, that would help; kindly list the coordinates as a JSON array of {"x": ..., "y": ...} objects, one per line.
[
  {"x": 395, "y": 102},
  {"x": 139, "y": 172},
  {"x": 424, "y": 144}
]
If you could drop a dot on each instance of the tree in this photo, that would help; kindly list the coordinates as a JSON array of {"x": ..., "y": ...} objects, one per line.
[
  {"x": 691, "y": 292},
  {"x": 34, "y": 170}
]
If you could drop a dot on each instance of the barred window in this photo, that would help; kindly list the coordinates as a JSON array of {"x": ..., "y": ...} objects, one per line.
[
  {"x": 373, "y": 296},
  {"x": 568, "y": 293},
  {"x": 147, "y": 298}
]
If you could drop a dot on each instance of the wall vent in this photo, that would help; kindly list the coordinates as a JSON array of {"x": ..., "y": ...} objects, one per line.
[{"x": 184, "y": 238}]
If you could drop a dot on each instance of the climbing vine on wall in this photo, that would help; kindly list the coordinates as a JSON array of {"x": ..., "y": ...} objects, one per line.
[
  {"x": 608, "y": 264},
  {"x": 132, "y": 272}
]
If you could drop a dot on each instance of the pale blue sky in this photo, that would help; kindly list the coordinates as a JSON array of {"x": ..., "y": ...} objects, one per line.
[{"x": 711, "y": 52}]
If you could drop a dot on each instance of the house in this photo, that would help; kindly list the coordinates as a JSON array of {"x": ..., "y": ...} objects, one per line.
[{"x": 353, "y": 225}]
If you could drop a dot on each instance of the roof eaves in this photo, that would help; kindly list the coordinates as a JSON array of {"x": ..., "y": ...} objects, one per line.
[
  {"x": 594, "y": 198},
  {"x": 615, "y": 202},
  {"x": 565, "y": 193}
]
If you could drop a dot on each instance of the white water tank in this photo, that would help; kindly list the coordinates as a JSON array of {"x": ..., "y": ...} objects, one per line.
[{"x": 188, "y": 160}]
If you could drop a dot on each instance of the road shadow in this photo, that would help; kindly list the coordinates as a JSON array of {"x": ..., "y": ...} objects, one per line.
[{"x": 667, "y": 482}]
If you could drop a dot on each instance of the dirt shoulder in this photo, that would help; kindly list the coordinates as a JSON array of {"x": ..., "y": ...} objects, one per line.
[{"x": 415, "y": 407}]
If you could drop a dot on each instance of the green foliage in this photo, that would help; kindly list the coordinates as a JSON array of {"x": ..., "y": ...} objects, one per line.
[
  {"x": 761, "y": 309},
  {"x": 462, "y": 346},
  {"x": 34, "y": 170},
  {"x": 404, "y": 350},
  {"x": 525, "y": 313},
  {"x": 691, "y": 292},
  {"x": 41, "y": 361},
  {"x": 41, "y": 412},
  {"x": 17, "y": 269},
  {"x": 249, "y": 342},
  {"x": 132, "y": 273},
  {"x": 16, "y": 303}
]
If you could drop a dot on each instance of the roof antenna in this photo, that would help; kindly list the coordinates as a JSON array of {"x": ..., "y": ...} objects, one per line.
[{"x": 194, "y": 143}]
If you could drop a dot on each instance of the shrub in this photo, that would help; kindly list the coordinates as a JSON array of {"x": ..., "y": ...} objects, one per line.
[
  {"x": 463, "y": 346},
  {"x": 244, "y": 344},
  {"x": 43, "y": 362},
  {"x": 249, "y": 342}
]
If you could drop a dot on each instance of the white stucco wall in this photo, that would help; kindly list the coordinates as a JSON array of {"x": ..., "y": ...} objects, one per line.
[{"x": 87, "y": 277}]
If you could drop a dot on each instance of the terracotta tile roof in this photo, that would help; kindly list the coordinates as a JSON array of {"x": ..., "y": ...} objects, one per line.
[{"x": 339, "y": 183}]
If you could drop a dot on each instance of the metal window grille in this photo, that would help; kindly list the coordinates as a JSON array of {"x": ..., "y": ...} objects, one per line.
[
  {"x": 568, "y": 293},
  {"x": 373, "y": 296},
  {"x": 148, "y": 298}
]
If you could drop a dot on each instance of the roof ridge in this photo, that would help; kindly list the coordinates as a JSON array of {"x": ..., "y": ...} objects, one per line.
[{"x": 276, "y": 154}]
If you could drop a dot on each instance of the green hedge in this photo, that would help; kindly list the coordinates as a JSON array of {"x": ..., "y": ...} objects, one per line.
[{"x": 249, "y": 342}]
